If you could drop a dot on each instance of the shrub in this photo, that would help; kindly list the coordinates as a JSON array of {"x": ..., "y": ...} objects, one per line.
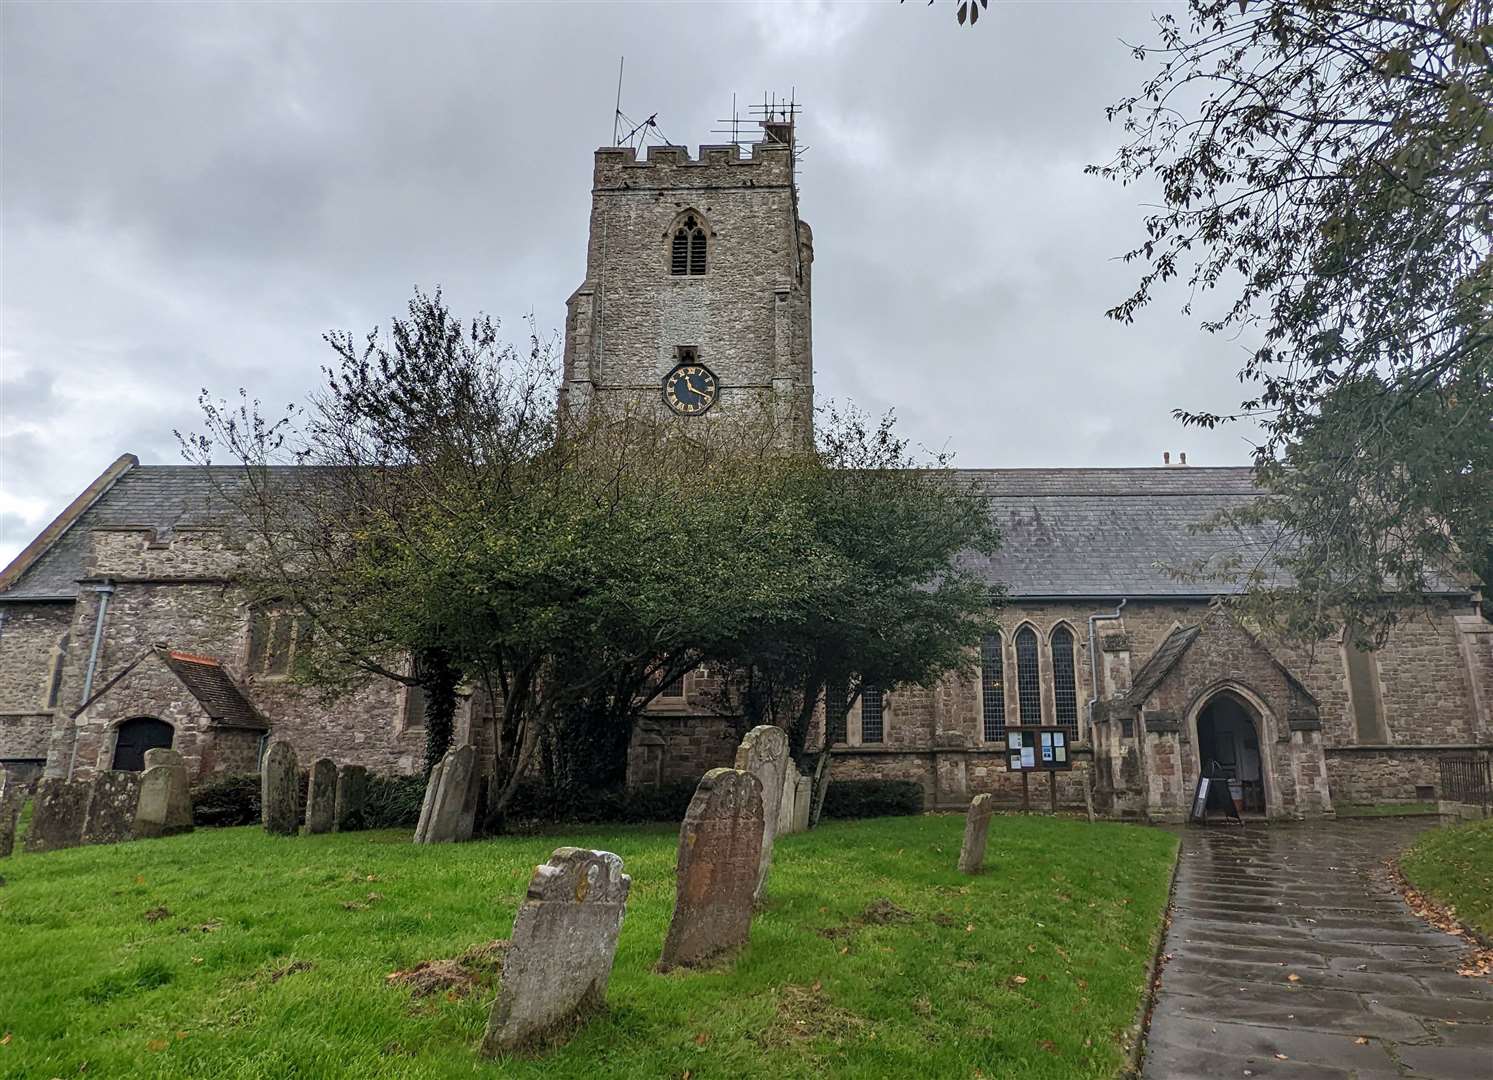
[
  {"x": 226, "y": 800},
  {"x": 394, "y": 802},
  {"x": 873, "y": 798},
  {"x": 535, "y": 803}
]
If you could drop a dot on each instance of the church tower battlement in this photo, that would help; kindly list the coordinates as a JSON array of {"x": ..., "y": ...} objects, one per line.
[{"x": 696, "y": 301}]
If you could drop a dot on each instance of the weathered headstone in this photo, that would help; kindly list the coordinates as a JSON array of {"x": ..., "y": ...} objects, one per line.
[
  {"x": 786, "y": 803},
  {"x": 802, "y": 803},
  {"x": 165, "y": 806},
  {"x": 12, "y": 796},
  {"x": 764, "y": 754},
  {"x": 560, "y": 956},
  {"x": 321, "y": 796},
  {"x": 112, "y": 806},
  {"x": 352, "y": 796},
  {"x": 57, "y": 814},
  {"x": 450, "y": 808},
  {"x": 720, "y": 848},
  {"x": 976, "y": 829},
  {"x": 278, "y": 795}
]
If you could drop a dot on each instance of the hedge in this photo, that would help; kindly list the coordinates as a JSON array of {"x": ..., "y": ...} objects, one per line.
[{"x": 873, "y": 798}]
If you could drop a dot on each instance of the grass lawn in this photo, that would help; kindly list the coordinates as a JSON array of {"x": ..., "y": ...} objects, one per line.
[
  {"x": 1455, "y": 866},
  {"x": 231, "y": 953}
]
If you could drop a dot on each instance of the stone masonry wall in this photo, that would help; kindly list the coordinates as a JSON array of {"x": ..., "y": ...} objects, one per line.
[{"x": 30, "y": 649}]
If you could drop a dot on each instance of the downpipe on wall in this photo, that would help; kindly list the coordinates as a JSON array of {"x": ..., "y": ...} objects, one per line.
[
  {"x": 1099, "y": 616},
  {"x": 104, "y": 590}
]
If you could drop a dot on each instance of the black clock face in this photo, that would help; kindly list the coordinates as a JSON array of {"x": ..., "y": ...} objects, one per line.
[{"x": 690, "y": 389}]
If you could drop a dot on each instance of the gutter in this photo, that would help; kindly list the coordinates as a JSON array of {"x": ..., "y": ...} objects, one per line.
[
  {"x": 1098, "y": 616},
  {"x": 104, "y": 591}
]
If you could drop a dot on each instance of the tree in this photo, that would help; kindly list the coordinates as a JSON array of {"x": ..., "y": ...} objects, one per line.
[{"x": 1329, "y": 167}]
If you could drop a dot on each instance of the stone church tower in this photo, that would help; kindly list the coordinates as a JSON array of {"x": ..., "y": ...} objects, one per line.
[{"x": 696, "y": 298}]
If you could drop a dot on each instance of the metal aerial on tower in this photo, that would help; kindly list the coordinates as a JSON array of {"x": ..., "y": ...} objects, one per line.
[
  {"x": 775, "y": 120},
  {"x": 638, "y": 131}
]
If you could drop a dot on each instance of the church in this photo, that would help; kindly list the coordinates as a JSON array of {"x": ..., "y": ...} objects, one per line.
[{"x": 122, "y": 628}]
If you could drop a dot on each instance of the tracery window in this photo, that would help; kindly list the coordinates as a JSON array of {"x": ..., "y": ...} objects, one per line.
[
  {"x": 274, "y": 635},
  {"x": 993, "y": 687},
  {"x": 1028, "y": 677},
  {"x": 1064, "y": 681},
  {"x": 687, "y": 251},
  {"x": 872, "y": 729}
]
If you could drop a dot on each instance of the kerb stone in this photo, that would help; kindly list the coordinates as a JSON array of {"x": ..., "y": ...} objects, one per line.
[
  {"x": 352, "y": 797},
  {"x": 976, "y": 830},
  {"x": 764, "y": 754},
  {"x": 321, "y": 796},
  {"x": 57, "y": 814},
  {"x": 720, "y": 847},
  {"x": 278, "y": 796},
  {"x": 559, "y": 959},
  {"x": 112, "y": 806}
]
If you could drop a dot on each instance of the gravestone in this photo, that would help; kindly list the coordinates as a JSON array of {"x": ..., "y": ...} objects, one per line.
[
  {"x": 321, "y": 796},
  {"x": 57, "y": 814},
  {"x": 352, "y": 797},
  {"x": 976, "y": 830},
  {"x": 802, "y": 803},
  {"x": 786, "y": 805},
  {"x": 720, "y": 847},
  {"x": 450, "y": 809},
  {"x": 560, "y": 956},
  {"x": 165, "y": 806},
  {"x": 112, "y": 806},
  {"x": 12, "y": 796},
  {"x": 764, "y": 754},
  {"x": 278, "y": 796}
]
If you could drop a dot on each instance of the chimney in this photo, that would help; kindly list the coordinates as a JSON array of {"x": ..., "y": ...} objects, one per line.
[
  {"x": 1166, "y": 457},
  {"x": 1183, "y": 456}
]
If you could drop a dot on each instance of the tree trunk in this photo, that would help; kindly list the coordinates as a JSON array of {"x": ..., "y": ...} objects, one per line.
[{"x": 437, "y": 679}]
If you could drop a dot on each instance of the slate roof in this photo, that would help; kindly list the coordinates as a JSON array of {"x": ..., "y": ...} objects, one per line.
[
  {"x": 1160, "y": 663},
  {"x": 1081, "y": 533},
  {"x": 219, "y": 696}
]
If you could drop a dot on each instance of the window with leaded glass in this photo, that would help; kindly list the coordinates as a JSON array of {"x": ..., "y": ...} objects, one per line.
[
  {"x": 871, "y": 716},
  {"x": 1064, "y": 681},
  {"x": 993, "y": 687},
  {"x": 834, "y": 712},
  {"x": 1028, "y": 677}
]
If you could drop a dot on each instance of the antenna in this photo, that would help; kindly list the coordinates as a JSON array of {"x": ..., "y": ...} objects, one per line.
[{"x": 617, "y": 109}]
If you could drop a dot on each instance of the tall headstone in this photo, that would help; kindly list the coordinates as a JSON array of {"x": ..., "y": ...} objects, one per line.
[
  {"x": 321, "y": 796},
  {"x": 786, "y": 804},
  {"x": 112, "y": 806},
  {"x": 559, "y": 959},
  {"x": 165, "y": 806},
  {"x": 12, "y": 795},
  {"x": 57, "y": 814},
  {"x": 720, "y": 848},
  {"x": 802, "y": 802},
  {"x": 278, "y": 796},
  {"x": 764, "y": 754},
  {"x": 352, "y": 797},
  {"x": 450, "y": 808},
  {"x": 976, "y": 829}
]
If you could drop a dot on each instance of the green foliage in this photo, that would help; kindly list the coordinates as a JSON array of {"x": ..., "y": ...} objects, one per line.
[
  {"x": 278, "y": 951},
  {"x": 1454, "y": 865},
  {"x": 438, "y": 679},
  {"x": 394, "y": 802},
  {"x": 873, "y": 798},
  {"x": 537, "y": 803},
  {"x": 228, "y": 800},
  {"x": 1330, "y": 166}
]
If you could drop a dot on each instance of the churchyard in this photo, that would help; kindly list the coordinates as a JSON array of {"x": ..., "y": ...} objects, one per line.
[{"x": 237, "y": 952}]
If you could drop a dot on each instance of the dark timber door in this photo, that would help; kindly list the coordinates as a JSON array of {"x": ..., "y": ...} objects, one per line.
[{"x": 137, "y": 736}]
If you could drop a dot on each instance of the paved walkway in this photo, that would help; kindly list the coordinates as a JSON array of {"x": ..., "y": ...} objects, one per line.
[{"x": 1375, "y": 992}]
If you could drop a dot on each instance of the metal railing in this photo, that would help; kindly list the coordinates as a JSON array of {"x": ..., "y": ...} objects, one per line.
[{"x": 1465, "y": 778}]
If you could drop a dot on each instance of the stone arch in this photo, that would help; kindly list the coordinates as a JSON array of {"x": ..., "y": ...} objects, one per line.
[
  {"x": 688, "y": 244},
  {"x": 1067, "y": 687},
  {"x": 1266, "y": 726},
  {"x": 133, "y": 736},
  {"x": 1030, "y": 674}
]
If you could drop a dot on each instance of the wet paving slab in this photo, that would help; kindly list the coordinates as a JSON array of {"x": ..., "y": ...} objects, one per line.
[{"x": 1290, "y": 954}]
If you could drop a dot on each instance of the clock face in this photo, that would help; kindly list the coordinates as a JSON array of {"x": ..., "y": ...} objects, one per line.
[{"x": 690, "y": 389}]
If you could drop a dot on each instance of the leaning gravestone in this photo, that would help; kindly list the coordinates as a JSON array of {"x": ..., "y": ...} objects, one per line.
[
  {"x": 111, "y": 808},
  {"x": 352, "y": 796},
  {"x": 57, "y": 814},
  {"x": 12, "y": 795},
  {"x": 764, "y": 754},
  {"x": 720, "y": 847},
  {"x": 165, "y": 806},
  {"x": 786, "y": 804},
  {"x": 560, "y": 956},
  {"x": 976, "y": 829},
  {"x": 278, "y": 796},
  {"x": 802, "y": 802},
  {"x": 321, "y": 796},
  {"x": 450, "y": 809}
]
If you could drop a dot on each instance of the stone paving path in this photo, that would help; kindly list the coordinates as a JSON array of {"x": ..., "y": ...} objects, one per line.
[{"x": 1376, "y": 992}]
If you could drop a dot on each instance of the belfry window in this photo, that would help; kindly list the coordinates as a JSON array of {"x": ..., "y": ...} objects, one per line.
[
  {"x": 1028, "y": 677},
  {"x": 1064, "y": 684},
  {"x": 687, "y": 251},
  {"x": 993, "y": 687}
]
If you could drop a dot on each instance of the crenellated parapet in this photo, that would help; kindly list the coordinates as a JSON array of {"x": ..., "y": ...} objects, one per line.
[{"x": 617, "y": 168}]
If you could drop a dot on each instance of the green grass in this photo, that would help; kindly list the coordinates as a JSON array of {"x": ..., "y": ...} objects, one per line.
[
  {"x": 272, "y": 959},
  {"x": 1454, "y": 865},
  {"x": 1386, "y": 809}
]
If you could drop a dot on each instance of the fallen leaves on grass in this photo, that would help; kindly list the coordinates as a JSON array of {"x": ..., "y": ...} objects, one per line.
[
  {"x": 363, "y": 905},
  {"x": 156, "y": 914},
  {"x": 878, "y": 913},
  {"x": 1477, "y": 962},
  {"x": 455, "y": 978},
  {"x": 806, "y": 1013},
  {"x": 295, "y": 967}
]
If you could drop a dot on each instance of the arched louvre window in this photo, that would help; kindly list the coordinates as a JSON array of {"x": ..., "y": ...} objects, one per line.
[
  {"x": 993, "y": 687},
  {"x": 1064, "y": 685},
  {"x": 687, "y": 252},
  {"x": 1028, "y": 677}
]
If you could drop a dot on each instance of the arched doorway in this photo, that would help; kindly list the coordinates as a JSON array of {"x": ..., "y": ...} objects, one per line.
[
  {"x": 1229, "y": 735},
  {"x": 136, "y": 736}
]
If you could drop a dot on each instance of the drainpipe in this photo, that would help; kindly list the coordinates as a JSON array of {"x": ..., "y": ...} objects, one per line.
[
  {"x": 104, "y": 591},
  {"x": 1094, "y": 655}
]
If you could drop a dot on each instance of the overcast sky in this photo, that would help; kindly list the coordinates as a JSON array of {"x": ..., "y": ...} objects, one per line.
[{"x": 192, "y": 194}]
